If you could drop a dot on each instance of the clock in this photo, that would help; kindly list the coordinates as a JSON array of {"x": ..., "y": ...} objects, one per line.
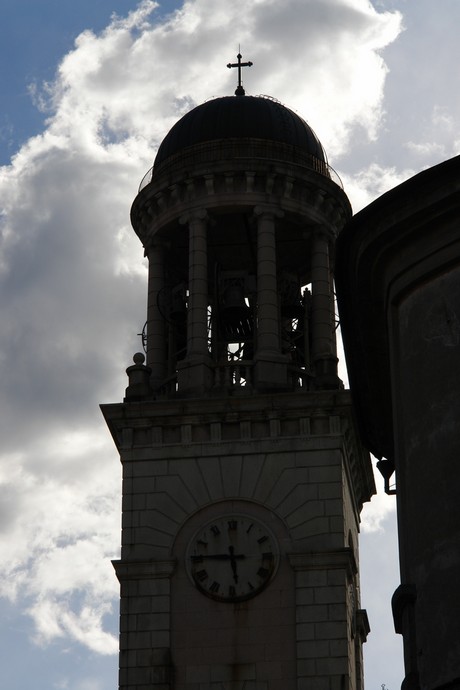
[{"x": 232, "y": 558}]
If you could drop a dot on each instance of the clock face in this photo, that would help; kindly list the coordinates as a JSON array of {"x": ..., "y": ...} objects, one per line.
[{"x": 232, "y": 558}]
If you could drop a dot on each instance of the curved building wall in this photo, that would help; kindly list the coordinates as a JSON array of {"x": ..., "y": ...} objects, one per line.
[{"x": 398, "y": 285}]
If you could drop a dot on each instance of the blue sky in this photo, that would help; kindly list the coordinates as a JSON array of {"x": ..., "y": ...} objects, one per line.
[{"x": 86, "y": 99}]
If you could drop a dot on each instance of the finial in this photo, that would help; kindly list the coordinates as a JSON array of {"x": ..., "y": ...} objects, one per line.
[
  {"x": 239, "y": 89},
  {"x": 139, "y": 358}
]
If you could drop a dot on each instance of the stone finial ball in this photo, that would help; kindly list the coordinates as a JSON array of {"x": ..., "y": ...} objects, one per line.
[{"x": 139, "y": 358}]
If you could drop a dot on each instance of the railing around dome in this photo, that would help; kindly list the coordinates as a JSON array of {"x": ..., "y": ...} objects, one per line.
[{"x": 251, "y": 151}]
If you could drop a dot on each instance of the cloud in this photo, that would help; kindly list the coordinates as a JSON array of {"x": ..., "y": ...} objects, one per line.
[
  {"x": 72, "y": 276},
  {"x": 371, "y": 182}
]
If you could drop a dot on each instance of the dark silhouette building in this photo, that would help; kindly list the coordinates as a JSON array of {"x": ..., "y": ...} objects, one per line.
[{"x": 398, "y": 288}]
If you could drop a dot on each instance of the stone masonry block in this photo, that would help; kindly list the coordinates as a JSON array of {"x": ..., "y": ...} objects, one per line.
[
  {"x": 313, "y": 649},
  {"x": 288, "y": 480},
  {"x": 337, "y": 612},
  {"x": 315, "y": 527},
  {"x": 305, "y": 596},
  {"x": 337, "y": 577},
  {"x": 271, "y": 670},
  {"x": 231, "y": 473},
  {"x": 156, "y": 587},
  {"x": 274, "y": 465},
  {"x": 198, "y": 674},
  {"x": 143, "y": 485},
  {"x": 166, "y": 504},
  {"x": 330, "y": 595},
  {"x": 250, "y": 471},
  {"x": 127, "y": 658},
  {"x": 153, "y": 621},
  {"x": 187, "y": 469},
  {"x": 149, "y": 468},
  {"x": 313, "y": 683},
  {"x": 175, "y": 485},
  {"x": 306, "y": 667},
  {"x": 312, "y": 613},
  {"x": 330, "y": 631},
  {"x": 327, "y": 474},
  {"x": 305, "y": 631},
  {"x": 160, "y": 638},
  {"x": 233, "y": 672},
  {"x": 336, "y": 666},
  {"x": 339, "y": 647},
  {"x": 298, "y": 498},
  {"x": 334, "y": 507},
  {"x": 311, "y": 578},
  {"x": 160, "y": 521},
  {"x": 212, "y": 478},
  {"x": 330, "y": 490}
]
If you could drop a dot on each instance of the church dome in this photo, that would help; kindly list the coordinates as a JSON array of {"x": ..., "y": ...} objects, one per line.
[{"x": 244, "y": 121}]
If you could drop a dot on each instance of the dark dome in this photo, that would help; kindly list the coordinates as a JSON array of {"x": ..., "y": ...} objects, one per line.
[{"x": 240, "y": 117}]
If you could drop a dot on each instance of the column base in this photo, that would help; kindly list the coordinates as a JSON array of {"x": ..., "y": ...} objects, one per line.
[
  {"x": 271, "y": 372},
  {"x": 194, "y": 376},
  {"x": 326, "y": 377}
]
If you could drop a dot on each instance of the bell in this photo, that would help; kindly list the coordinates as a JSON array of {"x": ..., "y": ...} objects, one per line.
[
  {"x": 234, "y": 307},
  {"x": 178, "y": 308}
]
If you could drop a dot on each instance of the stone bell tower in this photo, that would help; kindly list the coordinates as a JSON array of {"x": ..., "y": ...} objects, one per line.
[{"x": 243, "y": 476}]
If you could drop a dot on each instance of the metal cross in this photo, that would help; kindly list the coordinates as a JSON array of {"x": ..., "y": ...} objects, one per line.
[{"x": 239, "y": 90}]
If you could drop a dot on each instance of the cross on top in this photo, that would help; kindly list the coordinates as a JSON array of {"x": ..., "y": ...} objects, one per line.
[{"x": 239, "y": 90}]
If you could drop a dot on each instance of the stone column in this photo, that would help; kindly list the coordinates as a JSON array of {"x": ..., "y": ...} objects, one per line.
[
  {"x": 194, "y": 373},
  {"x": 322, "y": 313},
  {"x": 270, "y": 364},
  {"x": 268, "y": 336},
  {"x": 156, "y": 327},
  {"x": 197, "y": 313}
]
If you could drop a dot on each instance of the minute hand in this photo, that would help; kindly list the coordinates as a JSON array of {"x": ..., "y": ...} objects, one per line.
[{"x": 219, "y": 557}]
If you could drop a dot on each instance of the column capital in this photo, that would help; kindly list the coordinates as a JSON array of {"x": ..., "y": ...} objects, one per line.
[
  {"x": 324, "y": 232},
  {"x": 267, "y": 210},
  {"x": 194, "y": 215}
]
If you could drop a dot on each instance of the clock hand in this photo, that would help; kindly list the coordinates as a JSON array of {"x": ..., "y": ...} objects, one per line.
[
  {"x": 218, "y": 557},
  {"x": 233, "y": 563}
]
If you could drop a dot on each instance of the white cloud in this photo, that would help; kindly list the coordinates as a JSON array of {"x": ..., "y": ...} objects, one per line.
[
  {"x": 368, "y": 184},
  {"x": 72, "y": 276}
]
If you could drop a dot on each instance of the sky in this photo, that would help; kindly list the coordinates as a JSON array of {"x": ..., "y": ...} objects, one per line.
[{"x": 88, "y": 90}]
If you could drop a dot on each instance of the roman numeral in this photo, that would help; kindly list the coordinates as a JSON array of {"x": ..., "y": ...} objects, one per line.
[
  {"x": 201, "y": 575},
  {"x": 215, "y": 530},
  {"x": 232, "y": 524},
  {"x": 263, "y": 572},
  {"x": 262, "y": 539},
  {"x": 214, "y": 587},
  {"x": 231, "y": 591}
]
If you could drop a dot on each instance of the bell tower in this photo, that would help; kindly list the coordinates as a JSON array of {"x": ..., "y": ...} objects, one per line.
[{"x": 243, "y": 475}]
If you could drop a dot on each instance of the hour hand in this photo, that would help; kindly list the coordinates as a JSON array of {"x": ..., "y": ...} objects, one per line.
[
  {"x": 217, "y": 557},
  {"x": 233, "y": 564}
]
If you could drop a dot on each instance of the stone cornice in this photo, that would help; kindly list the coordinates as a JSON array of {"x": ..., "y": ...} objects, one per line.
[
  {"x": 290, "y": 188},
  {"x": 141, "y": 570},
  {"x": 343, "y": 558}
]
